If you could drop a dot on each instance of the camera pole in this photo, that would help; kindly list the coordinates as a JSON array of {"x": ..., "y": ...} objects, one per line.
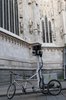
[
  {"x": 37, "y": 69},
  {"x": 37, "y": 51}
]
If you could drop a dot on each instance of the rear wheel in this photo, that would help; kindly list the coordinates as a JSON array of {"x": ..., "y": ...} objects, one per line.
[
  {"x": 54, "y": 87},
  {"x": 11, "y": 91}
]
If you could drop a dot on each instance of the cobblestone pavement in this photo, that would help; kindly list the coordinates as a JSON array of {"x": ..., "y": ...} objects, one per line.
[
  {"x": 3, "y": 89},
  {"x": 37, "y": 96},
  {"x": 34, "y": 96}
]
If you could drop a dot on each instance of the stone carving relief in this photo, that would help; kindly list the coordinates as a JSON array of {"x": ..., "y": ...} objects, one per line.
[
  {"x": 21, "y": 24},
  {"x": 29, "y": 2},
  {"x": 38, "y": 28},
  {"x": 21, "y": 27},
  {"x": 54, "y": 37},
  {"x": 61, "y": 32},
  {"x": 30, "y": 26},
  {"x": 20, "y": 2},
  {"x": 36, "y": 1}
]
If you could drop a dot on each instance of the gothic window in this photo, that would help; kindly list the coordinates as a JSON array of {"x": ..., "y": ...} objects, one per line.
[
  {"x": 50, "y": 32},
  {"x": 59, "y": 6},
  {"x": 9, "y": 15},
  {"x": 46, "y": 25},
  {"x": 1, "y": 23},
  {"x": 43, "y": 31},
  {"x": 46, "y": 31}
]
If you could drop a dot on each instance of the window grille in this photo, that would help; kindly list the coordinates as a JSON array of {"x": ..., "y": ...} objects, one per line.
[
  {"x": 43, "y": 30},
  {"x": 46, "y": 31},
  {"x": 50, "y": 32},
  {"x": 9, "y": 15},
  {"x": 46, "y": 25}
]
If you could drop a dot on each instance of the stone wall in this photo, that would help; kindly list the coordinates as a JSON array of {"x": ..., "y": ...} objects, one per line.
[
  {"x": 14, "y": 52},
  {"x": 17, "y": 54},
  {"x": 53, "y": 57},
  {"x": 29, "y": 20}
]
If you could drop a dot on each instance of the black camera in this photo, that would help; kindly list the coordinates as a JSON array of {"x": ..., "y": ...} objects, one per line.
[{"x": 37, "y": 51}]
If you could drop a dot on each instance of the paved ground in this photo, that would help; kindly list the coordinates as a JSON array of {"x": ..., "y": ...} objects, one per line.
[
  {"x": 37, "y": 96},
  {"x": 3, "y": 89}
]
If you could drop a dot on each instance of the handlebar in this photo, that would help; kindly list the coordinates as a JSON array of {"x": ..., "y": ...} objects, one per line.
[{"x": 13, "y": 73}]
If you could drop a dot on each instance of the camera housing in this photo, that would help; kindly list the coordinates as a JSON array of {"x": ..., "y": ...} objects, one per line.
[{"x": 37, "y": 51}]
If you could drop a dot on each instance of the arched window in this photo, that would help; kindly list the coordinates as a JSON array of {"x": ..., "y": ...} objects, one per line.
[
  {"x": 9, "y": 15},
  {"x": 1, "y": 17},
  {"x": 46, "y": 31},
  {"x": 50, "y": 32},
  {"x": 43, "y": 31}
]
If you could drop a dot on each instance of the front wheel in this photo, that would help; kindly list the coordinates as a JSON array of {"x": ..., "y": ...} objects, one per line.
[
  {"x": 11, "y": 91},
  {"x": 54, "y": 87}
]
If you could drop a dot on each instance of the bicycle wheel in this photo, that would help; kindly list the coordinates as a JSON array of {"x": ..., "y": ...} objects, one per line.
[
  {"x": 54, "y": 87},
  {"x": 11, "y": 91}
]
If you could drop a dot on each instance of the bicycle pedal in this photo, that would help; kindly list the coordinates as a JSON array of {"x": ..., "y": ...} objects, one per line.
[
  {"x": 24, "y": 90},
  {"x": 33, "y": 87}
]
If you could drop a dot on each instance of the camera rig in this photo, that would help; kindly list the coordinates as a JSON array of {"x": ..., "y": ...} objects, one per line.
[{"x": 37, "y": 51}]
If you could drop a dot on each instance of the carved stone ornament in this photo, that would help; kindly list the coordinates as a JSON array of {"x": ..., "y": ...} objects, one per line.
[
  {"x": 21, "y": 27},
  {"x": 29, "y": 2},
  {"x": 36, "y": 1},
  {"x": 54, "y": 37},
  {"x": 31, "y": 26},
  {"x": 38, "y": 28}
]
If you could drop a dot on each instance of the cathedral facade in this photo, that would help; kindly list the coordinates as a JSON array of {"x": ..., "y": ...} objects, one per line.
[{"x": 24, "y": 22}]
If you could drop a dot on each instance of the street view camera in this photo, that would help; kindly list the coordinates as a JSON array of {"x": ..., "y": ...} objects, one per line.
[{"x": 37, "y": 51}]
